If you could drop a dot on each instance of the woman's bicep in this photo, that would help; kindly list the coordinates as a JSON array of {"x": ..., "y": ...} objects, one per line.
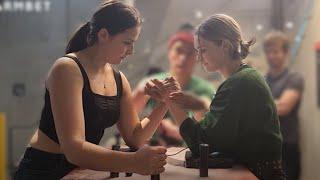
[{"x": 65, "y": 87}]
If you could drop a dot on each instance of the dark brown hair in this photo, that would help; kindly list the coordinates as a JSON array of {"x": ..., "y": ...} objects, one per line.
[{"x": 114, "y": 16}]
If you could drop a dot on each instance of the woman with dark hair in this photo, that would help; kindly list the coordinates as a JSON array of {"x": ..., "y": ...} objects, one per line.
[
  {"x": 84, "y": 96},
  {"x": 242, "y": 121}
]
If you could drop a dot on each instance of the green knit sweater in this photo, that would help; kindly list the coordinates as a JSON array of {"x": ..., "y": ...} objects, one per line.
[{"x": 242, "y": 120}]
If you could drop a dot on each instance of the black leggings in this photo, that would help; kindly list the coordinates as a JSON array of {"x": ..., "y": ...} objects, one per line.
[{"x": 37, "y": 164}]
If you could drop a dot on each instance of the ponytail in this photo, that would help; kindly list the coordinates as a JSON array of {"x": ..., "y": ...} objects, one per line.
[
  {"x": 245, "y": 48},
  {"x": 79, "y": 41}
]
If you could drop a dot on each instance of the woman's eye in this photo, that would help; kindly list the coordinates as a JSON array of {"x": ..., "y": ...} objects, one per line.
[{"x": 127, "y": 43}]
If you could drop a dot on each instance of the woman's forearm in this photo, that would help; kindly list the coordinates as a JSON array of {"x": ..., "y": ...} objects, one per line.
[
  {"x": 179, "y": 114},
  {"x": 91, "y": 156},
  {"x": 148, "y": 125}
]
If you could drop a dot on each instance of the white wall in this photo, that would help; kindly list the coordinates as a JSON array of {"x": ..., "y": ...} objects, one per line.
[{"x": 310, "y": 112}]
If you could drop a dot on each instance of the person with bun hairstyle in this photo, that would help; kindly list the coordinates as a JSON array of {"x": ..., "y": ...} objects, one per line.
[
  {"x": 242, "y": 121},
  {"x": 85, "y": 95}
]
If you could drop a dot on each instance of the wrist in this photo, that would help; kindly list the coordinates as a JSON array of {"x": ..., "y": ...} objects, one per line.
[{"x": 163, "y": 104}]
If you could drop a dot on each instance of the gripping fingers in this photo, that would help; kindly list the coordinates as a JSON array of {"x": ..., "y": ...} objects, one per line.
[{"x": 162, "y": 157}]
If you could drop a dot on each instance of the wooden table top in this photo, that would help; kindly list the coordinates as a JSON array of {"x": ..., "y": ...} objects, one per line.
[{"x": 174, "y": 171}]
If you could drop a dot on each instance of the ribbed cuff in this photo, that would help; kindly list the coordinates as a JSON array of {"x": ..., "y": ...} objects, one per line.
[{"x": 187, "y": 126}]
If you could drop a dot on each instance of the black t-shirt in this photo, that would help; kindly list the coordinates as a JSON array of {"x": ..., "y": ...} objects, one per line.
[{"x": 289, "y": 124}]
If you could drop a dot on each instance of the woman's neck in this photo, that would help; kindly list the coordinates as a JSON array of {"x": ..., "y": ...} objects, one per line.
[
  {"x": 230, "y": 67},
  {"x": 93, "y": 59}
]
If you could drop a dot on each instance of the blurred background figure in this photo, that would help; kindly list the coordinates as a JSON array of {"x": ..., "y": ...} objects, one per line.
[
  {"x": 182, "y": 60},
  {"x": 287, "y": 89}
]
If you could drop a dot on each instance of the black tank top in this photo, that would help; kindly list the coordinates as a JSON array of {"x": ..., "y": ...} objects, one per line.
[{"x": 100, "y": 111}]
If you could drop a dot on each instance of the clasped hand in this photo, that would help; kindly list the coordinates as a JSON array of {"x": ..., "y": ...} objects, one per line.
[
  {"x": 161, "y": 90},
  {"x": 169, "y": 91}
]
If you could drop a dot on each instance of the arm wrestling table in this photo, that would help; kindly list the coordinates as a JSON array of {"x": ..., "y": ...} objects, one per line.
[{"x": 174, "y": 171}]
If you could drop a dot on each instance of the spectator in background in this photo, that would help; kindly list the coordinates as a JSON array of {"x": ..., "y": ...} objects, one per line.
[
  {"x": 287, "y": 89},
  {"x": 198, "y": 92}
]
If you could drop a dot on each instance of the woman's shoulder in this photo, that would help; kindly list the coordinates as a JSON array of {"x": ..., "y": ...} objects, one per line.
[
  {"x": 64, "y": 66},
  {"x": 64, "y": 69},
  {"x": 248, "y": 75},
  {"x": 246, "y": 79}
]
